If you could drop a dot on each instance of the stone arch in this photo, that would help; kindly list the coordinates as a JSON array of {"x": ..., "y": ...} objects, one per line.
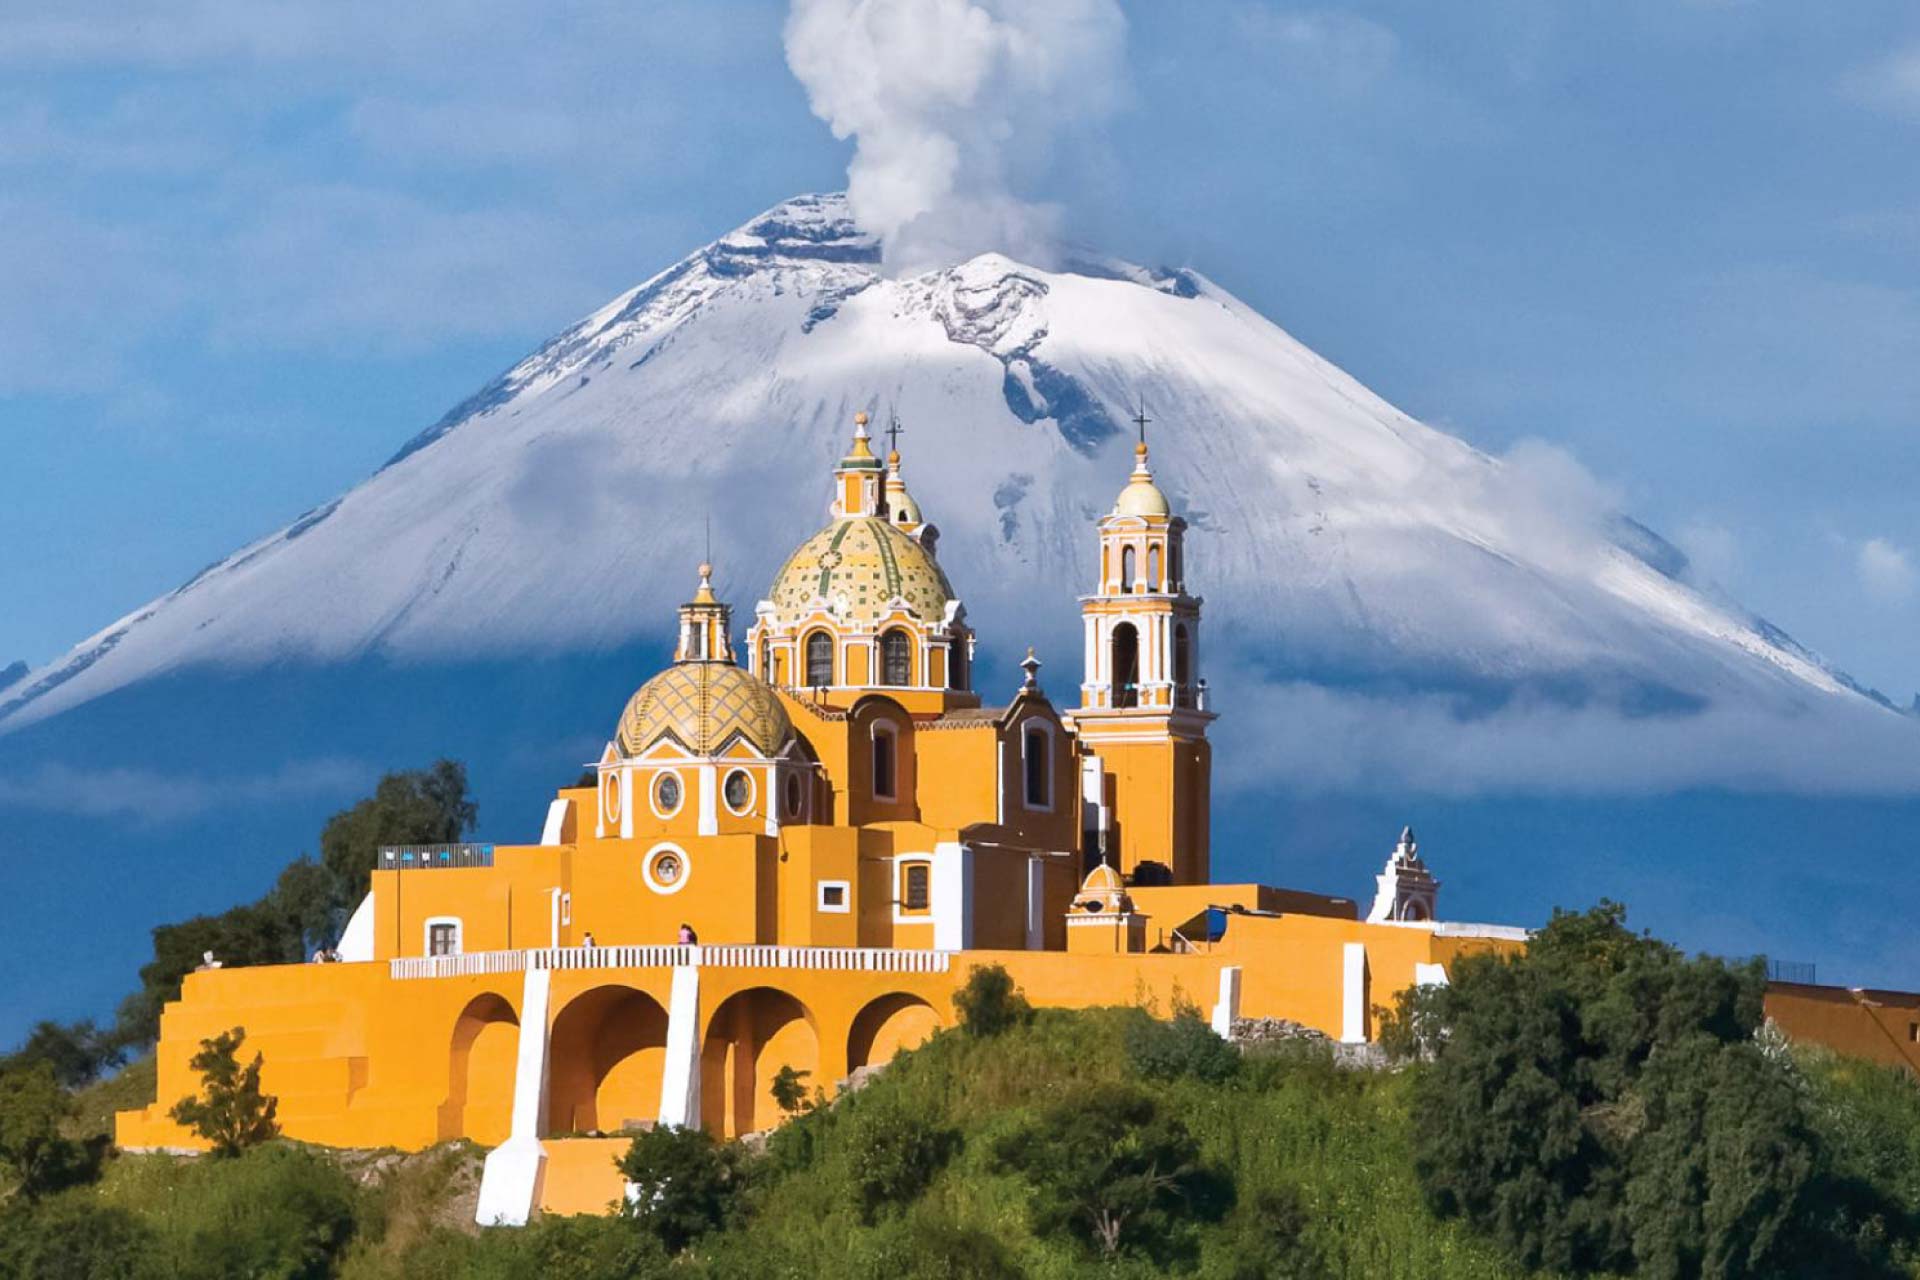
[
  {"x": 482, "y": 1053},
  {"x": 888, "y": 1025},
  {"x": 1125, "y": 665},
  {"x": 751, "y": 1035},
  {"x": 605, "y": 1059}
]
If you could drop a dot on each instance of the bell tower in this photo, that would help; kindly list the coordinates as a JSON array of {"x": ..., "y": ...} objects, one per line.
[{"x": 1142, "y": 716}]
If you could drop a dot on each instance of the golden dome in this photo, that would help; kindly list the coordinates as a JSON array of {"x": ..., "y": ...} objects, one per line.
[
  {"x": 1103, "y": 891},
  {"x": 1141, "y": 497},
  {"x": 858, "y": 566},
  {"x": 701, "y": 706}
]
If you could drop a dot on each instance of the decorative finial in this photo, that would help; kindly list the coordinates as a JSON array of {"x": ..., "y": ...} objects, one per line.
[
  {"x": 860, "y": 418},
  {"x": 1030, "y": 665},
  {"x": 1140, "y": 420},
  {"x": 894, "y": 432}
]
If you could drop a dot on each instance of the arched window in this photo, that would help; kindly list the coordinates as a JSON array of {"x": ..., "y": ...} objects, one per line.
[
  {"x": 1153, "y": 569},
  {"x": 1182, "y": 664},
  {"x": 884, "y": 764},
  {"x": 1176, "y": 575},
  {"x": 1037, "y": 754},
  {"x": 1126, "y": 666},
  {"x": 957, "y": 663},
  {"x": 819, "y": 660},
  {"x": 1126, "y": 570},
  {"x": 896, "y": 658}
]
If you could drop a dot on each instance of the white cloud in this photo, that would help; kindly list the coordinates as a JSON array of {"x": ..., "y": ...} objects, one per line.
[
  {"x": 146, "y": 795},
  {"x": 1713, "y": 552},
  {"x": 1885, "y": 570},
  {"x": 1311, "y": 738},
  {"x": 1891, "y": 84}
]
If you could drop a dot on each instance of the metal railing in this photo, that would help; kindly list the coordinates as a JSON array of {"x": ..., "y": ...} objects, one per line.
[
  {"x": 842, "y": 959},
  {"x": 423, "y": 857},
  {"x": 1798, "y": 971}
]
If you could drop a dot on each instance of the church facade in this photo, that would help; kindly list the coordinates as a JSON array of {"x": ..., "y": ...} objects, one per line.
[{"x": 795, "y": 860}]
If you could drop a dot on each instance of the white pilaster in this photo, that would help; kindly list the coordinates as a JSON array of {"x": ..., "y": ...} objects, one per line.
[
  {"x": 510, "y": 1179},
  {"x": 1227, "y": 1009},
  {"x": 1036, "y": 904},
  {"x": 680, "y": 1081},
  {"x": 556, "y": 822},
  {"x": 1353, "y": 993},
  {"x": 952, "y": 887},
  {"x": 709, "y": 800}
]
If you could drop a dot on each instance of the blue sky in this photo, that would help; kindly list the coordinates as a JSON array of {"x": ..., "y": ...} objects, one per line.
[{"x": 248, "y": 248}]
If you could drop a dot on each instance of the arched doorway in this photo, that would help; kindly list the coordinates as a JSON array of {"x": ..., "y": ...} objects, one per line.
[
  {"x": 887, "y": 1026},
  {"x": 605, "y": 1059},
  {"x": 750, "y": 1037},
  {"x": 484, "y": 1050},
  {"x": 1126, "y": 666}
]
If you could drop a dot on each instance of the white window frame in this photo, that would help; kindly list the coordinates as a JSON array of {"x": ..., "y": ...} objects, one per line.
[
  {"x": 653, "y": 854},
  {"x": 753, "y": 791},
  {"x": 846, "y": 897},
  {"x": 653, "y": 793},
  {"x": 434, "y": 922}
]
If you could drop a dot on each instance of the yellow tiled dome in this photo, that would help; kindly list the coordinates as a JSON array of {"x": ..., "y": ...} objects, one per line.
[
  {"x": 858, "y": 566},
  {"x": 701, "y": 706}
]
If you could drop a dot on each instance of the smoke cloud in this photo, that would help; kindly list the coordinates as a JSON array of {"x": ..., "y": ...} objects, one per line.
[{"x": 955, "y": 106}]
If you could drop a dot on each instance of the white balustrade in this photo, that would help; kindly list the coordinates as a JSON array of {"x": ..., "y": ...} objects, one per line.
[{"x": 725, "y": 956}]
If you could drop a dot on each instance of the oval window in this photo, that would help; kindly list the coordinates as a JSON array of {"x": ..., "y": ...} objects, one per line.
[
  {"x": 793, "y": 795},
  {"x": 666, "y": 793},
  {"x": 738, "y": 790},
  {"x": 666, "y": 868}
]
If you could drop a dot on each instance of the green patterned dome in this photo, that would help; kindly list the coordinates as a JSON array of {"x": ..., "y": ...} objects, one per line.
[{"x": 859, "y": 566}]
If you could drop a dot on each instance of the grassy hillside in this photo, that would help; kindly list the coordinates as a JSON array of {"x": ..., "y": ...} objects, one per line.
[{"x": 1311, "y": 1167}]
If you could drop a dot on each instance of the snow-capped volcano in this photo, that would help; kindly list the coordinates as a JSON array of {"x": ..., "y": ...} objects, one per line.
[{"x": 564, "y": 505}]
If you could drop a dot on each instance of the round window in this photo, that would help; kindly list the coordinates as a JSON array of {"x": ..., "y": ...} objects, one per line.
[
  {"x": 793, "y": 795},
  {"x": 666, "y": 868},
  {"x": 738, "y": 790},
  {"x": 666, "y": 793}
]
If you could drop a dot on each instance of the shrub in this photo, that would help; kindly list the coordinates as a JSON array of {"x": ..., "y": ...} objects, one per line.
[
  {"x": 278, "y": 1210},
  {"x": 684, "y": 1184},
  {"x": 789, "y": 1089},
  {"x": 1266, "y": 1239},
  {"x": 1180, "y": 1047},
  {"x": 74, "y": 1239},
  {"x": 1108, "y": 1168},
  {"x": 928, "y": 1247},
  {"x": 33, "y": 1108},
  {"x": 989, "y": 1003},
  {"x": 893, "y": 1155},
  {"x": 234, "y": 1114}
]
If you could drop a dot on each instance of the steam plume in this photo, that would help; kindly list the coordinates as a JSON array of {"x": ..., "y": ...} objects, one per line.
[{"x": 955, "y": 106}]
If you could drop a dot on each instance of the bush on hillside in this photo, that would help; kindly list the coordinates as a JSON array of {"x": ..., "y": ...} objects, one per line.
[
  {"x": 33, "y": 1149},
  {"x": 1599, "y": 1103},
  {"x": 232, "y": 1113},
  {"x": 278, "y": 1210},
  {"x": 74, "y": 1239},
  {"x": 927, "y": 1246},
  {"x": 78, "y": 1052},
  {"x": 1183, "y": 1046},
  {"x": 1266, "y": 1238},
  {"x": 893, "y": 1154},
  {"x": 989, "y": 1003},
  {"x": 684, "y": 1184},
  {"x": 1108, "y": 1167}
]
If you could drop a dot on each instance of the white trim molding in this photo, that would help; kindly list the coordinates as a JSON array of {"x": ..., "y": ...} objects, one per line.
[
  {"x": 663, "y": 849},
  {"x": 821, "y": 904},
  {"x": 433, "y": 922}
]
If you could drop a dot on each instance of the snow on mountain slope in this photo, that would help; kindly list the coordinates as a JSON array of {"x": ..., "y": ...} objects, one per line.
[{"x": 1334, "y": 537}]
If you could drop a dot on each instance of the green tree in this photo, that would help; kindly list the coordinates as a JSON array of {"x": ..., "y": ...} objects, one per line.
[
  {"x": 684, "y": 1184},
  {"x": 789, "y": 1089},
  {"x": 78, "y": 1052},
  {"x": 69, "y": 1238},
  {"x": 989, "y": 1003},
  {"x": 233, "y": 1114},
  {"x": 33, "y": 1108},
  {"x": 415, "y": 806},
  {"x": 1109, "y": 1168},
  {"x": 1599, "y": 1103}
]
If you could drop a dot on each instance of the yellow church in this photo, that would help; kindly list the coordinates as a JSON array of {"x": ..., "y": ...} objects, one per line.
[{"x": 796, "y": 862}]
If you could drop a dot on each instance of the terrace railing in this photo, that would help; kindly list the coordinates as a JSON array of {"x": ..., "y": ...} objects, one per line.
[
  {"x": 843, "y": 959},
  {"x": 428, "y": 857}
]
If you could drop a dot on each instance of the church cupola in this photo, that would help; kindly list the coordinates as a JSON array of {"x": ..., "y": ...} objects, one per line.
[
  {"x": 705, "y": 625},
  {"x": 858, "y": 478}
]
